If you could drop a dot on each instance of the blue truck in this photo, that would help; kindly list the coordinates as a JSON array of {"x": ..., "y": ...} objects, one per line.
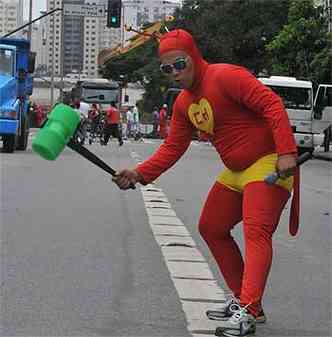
[{"x": 17, "y": 64}]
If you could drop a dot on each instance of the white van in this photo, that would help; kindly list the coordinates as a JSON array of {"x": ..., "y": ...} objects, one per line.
[{"x": 309, "y": 116}]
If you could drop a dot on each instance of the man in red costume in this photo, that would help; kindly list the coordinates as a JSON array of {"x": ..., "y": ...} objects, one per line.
[{"x": 249, "y": 127}]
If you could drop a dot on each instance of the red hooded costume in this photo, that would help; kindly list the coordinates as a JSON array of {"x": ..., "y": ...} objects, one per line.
[{"x": 245, "y": 122}]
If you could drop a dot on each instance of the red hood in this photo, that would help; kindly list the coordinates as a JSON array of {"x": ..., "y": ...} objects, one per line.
[{"x": 179, "y": 39}]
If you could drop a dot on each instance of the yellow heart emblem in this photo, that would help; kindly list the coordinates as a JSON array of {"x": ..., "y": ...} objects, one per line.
[{"x": 201, "y": 115}]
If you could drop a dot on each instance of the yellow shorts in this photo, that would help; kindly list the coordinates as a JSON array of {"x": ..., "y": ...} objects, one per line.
[{"x": 258, "y": 171}]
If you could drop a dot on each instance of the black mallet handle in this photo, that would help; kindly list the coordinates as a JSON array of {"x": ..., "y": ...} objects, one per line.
[
  {"x": 272, "y": 178},
  {"x": 93, "y": 158}
]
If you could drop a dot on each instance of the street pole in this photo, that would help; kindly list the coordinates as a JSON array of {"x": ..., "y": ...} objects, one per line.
[
  {"x": 121, "y": 91},
  {"x": 62, "y": 54},
  {"x": 123, "y": 25},
  {"x": 122, "y": 37},
  {"x": 30, "y": 19},
  {"x": 53, "y": 55}
]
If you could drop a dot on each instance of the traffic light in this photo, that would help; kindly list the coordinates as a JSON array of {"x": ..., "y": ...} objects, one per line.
[{"x": 114, "y": 14}]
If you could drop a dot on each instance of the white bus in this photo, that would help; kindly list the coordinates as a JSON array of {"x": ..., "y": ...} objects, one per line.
[{"x": 309, "y": 116}]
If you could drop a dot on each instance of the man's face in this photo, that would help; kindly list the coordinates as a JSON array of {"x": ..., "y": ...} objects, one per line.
[{"x": 178, "y": 66}]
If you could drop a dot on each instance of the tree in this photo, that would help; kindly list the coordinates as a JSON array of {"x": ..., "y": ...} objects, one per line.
[
  {"x": 226, "y": 31},
  {"x": 140, "y": 65},
  {"x": 302, "y": 44},
  {"x": 322, "y": 64},
  {"x": 234, "y": 31}
]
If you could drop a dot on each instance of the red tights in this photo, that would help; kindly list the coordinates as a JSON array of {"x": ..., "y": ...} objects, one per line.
[{"x": 259, "y": 206}]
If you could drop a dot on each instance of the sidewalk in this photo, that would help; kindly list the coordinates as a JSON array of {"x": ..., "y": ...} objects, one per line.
[{"x": 320, "y": 154}]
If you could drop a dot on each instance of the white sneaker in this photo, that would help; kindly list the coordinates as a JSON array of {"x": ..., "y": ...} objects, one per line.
[
  {"x": 241, "y": 324},
  {"x": 225, "y": 311}
]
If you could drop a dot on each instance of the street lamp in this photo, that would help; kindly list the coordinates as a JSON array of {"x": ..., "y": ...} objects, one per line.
[{"x": 30, "y": 19}]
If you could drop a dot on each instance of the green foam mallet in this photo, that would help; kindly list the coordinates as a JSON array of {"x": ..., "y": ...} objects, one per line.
[
  {"x": 58, "y": 131},
  {"x": 52, "y": 138}
]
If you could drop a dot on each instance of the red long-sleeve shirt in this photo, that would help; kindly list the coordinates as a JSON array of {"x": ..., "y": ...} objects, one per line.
[
  {"x": 245, "y": 120},
  {"x": 112, "y": 115}
]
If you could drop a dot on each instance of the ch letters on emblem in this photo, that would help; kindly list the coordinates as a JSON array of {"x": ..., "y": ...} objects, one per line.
[{"x": 201, "y": 115}]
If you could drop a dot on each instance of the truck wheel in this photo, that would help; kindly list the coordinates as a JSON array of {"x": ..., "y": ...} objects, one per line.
[
  {"x": 24, "y": 135},
  {"x": 327, "y": 139},
  {"x": 301, "y": 150},
  {"x": 9, "y": 142}
]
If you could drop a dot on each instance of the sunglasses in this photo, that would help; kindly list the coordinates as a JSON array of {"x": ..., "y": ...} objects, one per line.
[{"x": 179, "y": 64}]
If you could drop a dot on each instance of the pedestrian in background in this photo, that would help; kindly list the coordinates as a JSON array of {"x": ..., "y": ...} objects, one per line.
[
  {"x": 94, "y": 111},
  {"x": 112, "y": 124},
  {"x": 136, "y": 124},
  {"x": 40, "y": 114},
  {"x": 163, "y": 122},
  {"x": 83, "y": 110},
  {"x": 130, "y": 121},
  {"x": 155, "y": 117},
  {"x": 249, "y": 127},
  {"x": 94, "y": 118}
]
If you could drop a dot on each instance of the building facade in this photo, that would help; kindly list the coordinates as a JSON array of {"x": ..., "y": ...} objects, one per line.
[
  {"x": 84, "y": 37},
  {"x": 135, "y": 13},
  {"x": 73, "y": 37},
  {"x": 54, "y": 38},
  {"x": 20, "y": 13},
  {"x": 38, "y": 45},
  {"x": 69, "y": 29},
  {"x": 11, "y": 16}
]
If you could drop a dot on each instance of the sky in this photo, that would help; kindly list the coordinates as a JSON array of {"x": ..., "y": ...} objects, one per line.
[{"x": 37, "y": 6}]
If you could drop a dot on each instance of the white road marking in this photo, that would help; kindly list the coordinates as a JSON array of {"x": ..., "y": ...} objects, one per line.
[
  {"x": 196, "y": 286},
  {"x": 163, "y": 220}
]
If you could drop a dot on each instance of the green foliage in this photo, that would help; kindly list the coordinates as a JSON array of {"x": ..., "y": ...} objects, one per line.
[
  {"x": 322, "y": 64},
  {"x": 283, "y": 37},
  {"x": 130, "y": 64},
  {"x": 140, "y": 65},
  {"x": 302, "y": 44},
  {"x": 234, "y": 31}
]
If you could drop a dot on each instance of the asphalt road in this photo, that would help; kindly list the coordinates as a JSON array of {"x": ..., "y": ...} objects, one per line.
[
  {"x": 298, "y": 296},
  {"x": 78, "y": 257}
]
